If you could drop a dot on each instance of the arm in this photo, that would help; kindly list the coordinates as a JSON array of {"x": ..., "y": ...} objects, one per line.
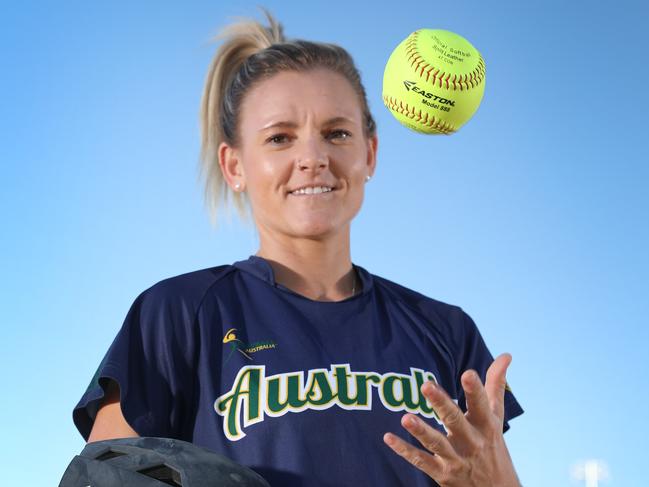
[
  {"x": 151, "y": 359},
  {"x": 110, "y": 422}
]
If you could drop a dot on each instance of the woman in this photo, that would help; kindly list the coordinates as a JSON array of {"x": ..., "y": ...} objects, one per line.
[{"x": 295, "y": 361}]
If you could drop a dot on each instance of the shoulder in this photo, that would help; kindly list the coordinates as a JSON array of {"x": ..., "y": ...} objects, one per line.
[
  {"x": 416, "y": 300},
  {"x": 443, "y": 319},
  {"x": 181, "y": 294},
  {"x": 190, "y": 285}
]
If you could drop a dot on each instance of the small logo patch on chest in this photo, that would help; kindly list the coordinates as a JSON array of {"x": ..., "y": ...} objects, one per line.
[{"x": 245, "y": 349}]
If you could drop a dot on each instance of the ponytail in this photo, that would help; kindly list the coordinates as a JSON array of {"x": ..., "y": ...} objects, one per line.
[{"x": 242, "y": 40}]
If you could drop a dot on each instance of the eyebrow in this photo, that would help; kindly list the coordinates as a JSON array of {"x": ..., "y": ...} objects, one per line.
[{"x": 331, "y": 121}]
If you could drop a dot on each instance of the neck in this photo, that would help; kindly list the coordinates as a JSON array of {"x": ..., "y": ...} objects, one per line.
[{"x": 317, "y": 269}]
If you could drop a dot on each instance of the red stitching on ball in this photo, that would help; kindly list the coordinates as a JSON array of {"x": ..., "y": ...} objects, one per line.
[
  {"x": 428, "y": 72},
  {"x": 437, "y": 124},
  {"x": 441, "y": 78}
]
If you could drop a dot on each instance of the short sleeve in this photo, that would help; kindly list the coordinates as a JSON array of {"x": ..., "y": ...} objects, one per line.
[
  {"x": 150, "y": 359},
  {"x": 474, "y": 354}
]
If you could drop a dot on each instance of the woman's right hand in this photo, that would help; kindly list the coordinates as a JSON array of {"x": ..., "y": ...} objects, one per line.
[
  {"x": 110, "y": 422},
  {"x": 473, "y": 453}
]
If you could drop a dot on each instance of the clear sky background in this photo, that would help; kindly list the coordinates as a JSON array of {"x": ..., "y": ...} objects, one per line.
[{"x": 533, "y": 218}]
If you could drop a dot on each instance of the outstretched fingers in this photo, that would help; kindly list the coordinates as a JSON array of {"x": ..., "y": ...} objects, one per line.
[
  {"x": 424, "y": 461},
  {"x": 449, "y": 413},
  {"x": 496, "y": 383},
  {"x": 471, "y": 453},
  {"x": 431, "y": 439},
  {"x": 477, "y": 401}
]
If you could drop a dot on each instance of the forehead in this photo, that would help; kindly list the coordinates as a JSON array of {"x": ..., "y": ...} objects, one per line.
[{"x": 319, "y": 94}]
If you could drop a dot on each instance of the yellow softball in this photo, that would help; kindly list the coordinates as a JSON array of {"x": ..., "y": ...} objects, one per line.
[{"x": 434, "y": 81}]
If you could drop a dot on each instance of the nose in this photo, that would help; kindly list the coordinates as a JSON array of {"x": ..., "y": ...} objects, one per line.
[{"x": 312, "y": 157}]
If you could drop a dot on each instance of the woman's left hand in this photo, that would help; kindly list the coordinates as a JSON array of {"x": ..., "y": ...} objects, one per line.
[{"x": 473, "y": 454}]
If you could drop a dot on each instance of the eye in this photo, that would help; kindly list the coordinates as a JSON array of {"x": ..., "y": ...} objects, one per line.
[
  {"x": 277, "y": 138},
  {"x": 340, "y": 134}
]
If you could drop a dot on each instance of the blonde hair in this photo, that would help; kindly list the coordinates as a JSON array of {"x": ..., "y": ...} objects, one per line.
[{"x": 249, "y": 54}]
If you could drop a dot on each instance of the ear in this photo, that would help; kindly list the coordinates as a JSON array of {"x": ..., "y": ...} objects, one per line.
[
  {"x": 231, "y": 166},
  {"x": 372, "y": 147}
]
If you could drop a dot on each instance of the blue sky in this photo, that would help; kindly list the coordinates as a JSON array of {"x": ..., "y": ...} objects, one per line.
[{"x": 533, "y": 218}]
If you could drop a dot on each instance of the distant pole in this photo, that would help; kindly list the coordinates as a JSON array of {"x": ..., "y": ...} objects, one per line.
[{"x": 591, "y": 471}]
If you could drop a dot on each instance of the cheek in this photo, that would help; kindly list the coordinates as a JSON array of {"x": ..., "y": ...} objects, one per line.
[
  {"x": 267, "y": 177},
  {"x": 357, "y": 170},
  {"x": 358, "y": 157}
]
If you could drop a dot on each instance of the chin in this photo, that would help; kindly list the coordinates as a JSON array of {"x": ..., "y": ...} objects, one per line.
[{"x": 315, "y": 229}]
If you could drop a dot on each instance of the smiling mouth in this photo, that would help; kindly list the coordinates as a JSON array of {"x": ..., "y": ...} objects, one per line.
[{"x": 312, "y": 191}]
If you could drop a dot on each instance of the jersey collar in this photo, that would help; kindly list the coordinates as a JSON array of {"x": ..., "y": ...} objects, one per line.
[{"x": 261, "y": 268}]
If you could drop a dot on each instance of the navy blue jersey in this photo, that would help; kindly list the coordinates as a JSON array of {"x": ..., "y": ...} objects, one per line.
[{"x": 299, "y": 390}]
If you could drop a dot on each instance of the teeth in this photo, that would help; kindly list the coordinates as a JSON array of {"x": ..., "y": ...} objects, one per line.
[{"x": 312, "y": 190}]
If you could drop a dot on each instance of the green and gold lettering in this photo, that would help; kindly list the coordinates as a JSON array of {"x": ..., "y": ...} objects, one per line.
[
  {"x": 363, "y": 387},
  {"x": 342, "y": 374},
  {"x": 244, "y": 396},
  {"x": 274, "y": 402},
  {"x": 283, "y": 392},
  {"x": 319, "y": 384},
  {"x": 389, "y": 393},
  {"x": 242, "y": 406}
]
